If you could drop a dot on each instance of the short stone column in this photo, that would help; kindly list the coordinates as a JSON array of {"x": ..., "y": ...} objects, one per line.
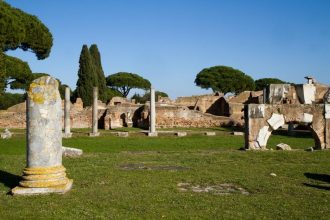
[
  {"x": 152, "y": 124},
  {"x": 44, "y": 172},
  {"x": 67, "y": 123},
  {"x": 95, "y": 132}
]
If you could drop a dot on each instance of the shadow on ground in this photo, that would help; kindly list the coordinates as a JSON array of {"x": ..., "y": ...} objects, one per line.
[
  {"x": 324, "y": 178},
  {"x": 8, "y": 179}
]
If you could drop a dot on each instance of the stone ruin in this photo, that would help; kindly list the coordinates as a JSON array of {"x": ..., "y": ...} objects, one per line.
[
  {"x": 194, "y": 111},
  {"x": 284, "y": 104}
]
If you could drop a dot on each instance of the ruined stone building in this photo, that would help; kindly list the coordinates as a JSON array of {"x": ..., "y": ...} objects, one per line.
[{"x": 284, "y": 104}]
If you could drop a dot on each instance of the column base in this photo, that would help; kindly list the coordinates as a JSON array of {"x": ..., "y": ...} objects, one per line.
[
  {"x": 61, "y": 189},
  {"x": 152, "y": 134},
  {"x": 43, "y": 180},
  {"x": 66, "y": 135},
  {"x": 94, "y": 134}
]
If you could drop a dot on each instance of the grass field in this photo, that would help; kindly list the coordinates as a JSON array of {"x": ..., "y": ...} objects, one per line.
[{"x": 140, "y": 178}]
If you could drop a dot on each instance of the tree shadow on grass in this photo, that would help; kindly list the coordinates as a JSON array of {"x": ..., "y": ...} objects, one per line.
[
  {"x": 325, "y": 178},
  {"x": 9, "y": 180}
]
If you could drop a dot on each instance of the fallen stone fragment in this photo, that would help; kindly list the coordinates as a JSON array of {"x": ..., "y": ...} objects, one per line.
[
  {"x": 6, "y": 134},
  {"x": 238, "y": 133},
  {"x": 283, "y": 146},
  {"x": 71, "y": 152},
  {"x": 276, "y": 121},
  {"x": 210, "y": 133},
  {"x": 181, "y": 134},
  {"x": 122, "y": 134}
]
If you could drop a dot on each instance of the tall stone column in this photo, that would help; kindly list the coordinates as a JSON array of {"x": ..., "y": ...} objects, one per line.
[
  {"x": 67, "y": 104},
  {"x": 44, "y": 172},
  {"x": 95, "y": 114},
  {"x": 152, "y": 124}
]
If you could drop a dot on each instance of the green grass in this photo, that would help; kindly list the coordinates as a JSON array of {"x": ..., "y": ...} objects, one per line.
[{"x": 102, "y": 190}]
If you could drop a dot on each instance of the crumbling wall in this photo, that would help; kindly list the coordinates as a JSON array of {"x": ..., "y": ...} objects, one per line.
[
  {"x": 262, "y": 119},
  {"x": 170, "y": 116}
]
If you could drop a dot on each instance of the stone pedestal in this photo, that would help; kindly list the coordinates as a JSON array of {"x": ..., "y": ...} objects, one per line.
[
  {"x": 67, "y": 123},
  {"x": 44, "y": 172},
  {"x": 95, "y": 132}
]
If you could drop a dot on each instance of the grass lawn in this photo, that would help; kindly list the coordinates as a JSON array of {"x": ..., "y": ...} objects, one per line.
[{"x": 141, "y": 177}]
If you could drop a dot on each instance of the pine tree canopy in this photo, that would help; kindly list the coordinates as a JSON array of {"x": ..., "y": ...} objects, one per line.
[
  {"x": 20, "y": 30},
  {"x": 224, "y": 79},
  {"x": 123, "y": 82}
]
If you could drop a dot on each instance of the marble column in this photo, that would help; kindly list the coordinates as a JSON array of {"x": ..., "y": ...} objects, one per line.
[
  {"x": 95, "y": 114},
  {"x": 152, "y": 124},
  {"x": 67, "y": 123},
  {"x": 44, "y": 172}
]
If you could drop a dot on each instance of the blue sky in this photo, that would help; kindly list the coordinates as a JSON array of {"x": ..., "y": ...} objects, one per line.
[{"x": 170, "y": 41}]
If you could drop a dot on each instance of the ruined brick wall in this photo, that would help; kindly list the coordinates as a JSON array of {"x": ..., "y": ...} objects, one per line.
[
  {"x": 262, "y": 119},
  {"x": 175, "y": 116},
  {"x": 15, "y": 116}
]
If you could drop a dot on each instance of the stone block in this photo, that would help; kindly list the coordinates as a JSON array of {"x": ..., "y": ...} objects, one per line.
[
  {"x": 122, "y": 134},
  {"x": 71, "y": 152},
  {"x": 238, "y": 133},
  {"x": 263, "y": 136},
  {"x": 309, "y": 93},
  {"x": 257, "y": 111},
  {"x": 181, "y": 134},
  {"x": 276, "y": 121},
  {"x": 308, "y": 118},
  {"x": 283, "y": 146},
  {"x": 210, "y": 133},
  {"x": 327, "y": 111},
  {"x": 6, "y": 134}
]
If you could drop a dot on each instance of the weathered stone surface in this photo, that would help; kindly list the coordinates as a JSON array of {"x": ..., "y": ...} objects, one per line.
[
  {"x": 210, "y": 133},
  {"x": 276, "y": 93},
  {"x": 283, "y": 146},
  {"x": 181, "y": 134},
  {"x": 6, "y": 134},
  {"x": 308, "y": 118},
  {"x": 327, "y": 111},
  {"x": 71, "y": 152},
  {"x": 276, "y": 121},
  {"x": 257, "y": 111},
  {"x": 44, "y": 141},
  {"x": 263, "y": 136}
]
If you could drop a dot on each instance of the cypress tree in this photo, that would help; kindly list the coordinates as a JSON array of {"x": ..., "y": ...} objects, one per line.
[
  {"x": 86, "y": 77},
  {"x": 96, "y": 58}
]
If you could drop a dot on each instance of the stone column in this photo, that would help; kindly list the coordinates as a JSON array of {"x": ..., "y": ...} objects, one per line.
[
  {"x": 95, "y": 132},
  {"x": 67, "y": 124},
  {"x": 152, "y": 124},
  {"x": 44, "y": 172}
]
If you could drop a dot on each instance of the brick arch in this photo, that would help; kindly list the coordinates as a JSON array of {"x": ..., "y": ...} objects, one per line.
[{"x": 261, "y": 120}]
